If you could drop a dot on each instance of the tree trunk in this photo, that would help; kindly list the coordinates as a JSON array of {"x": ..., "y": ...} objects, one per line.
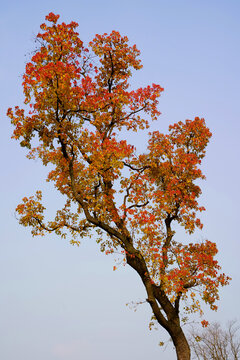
[
  {"x": 156, "y": 296},
  {"x": 180, "y": 343}
]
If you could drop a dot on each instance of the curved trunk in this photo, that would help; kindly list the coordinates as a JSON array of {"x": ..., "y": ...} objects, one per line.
[
  {"x": 181, "y": 345},
  {"x": 156, "y": 297}
]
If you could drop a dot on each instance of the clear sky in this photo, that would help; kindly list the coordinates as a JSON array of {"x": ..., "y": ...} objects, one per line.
[{"x": 59, "y": 302}]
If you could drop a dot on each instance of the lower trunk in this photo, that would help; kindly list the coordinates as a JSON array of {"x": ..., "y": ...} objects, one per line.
[
  {"x": 159, "y": 301},
  {"x": 181, "y": 344}
]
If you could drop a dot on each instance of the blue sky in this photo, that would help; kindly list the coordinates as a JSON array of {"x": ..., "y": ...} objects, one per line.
[{"x": 60, "y": 302}]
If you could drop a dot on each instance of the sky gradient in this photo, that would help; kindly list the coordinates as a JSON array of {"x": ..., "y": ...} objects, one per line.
[{"x": 59, "y": 302}]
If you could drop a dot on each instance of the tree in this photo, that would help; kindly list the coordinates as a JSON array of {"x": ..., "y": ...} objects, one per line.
[
  {"x": 215, "y": 343},
  {"x": 79, "y": 110}
]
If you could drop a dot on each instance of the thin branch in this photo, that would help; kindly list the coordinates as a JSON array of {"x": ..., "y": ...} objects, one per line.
[
  {"x": 133, "y": 113},
  {"x": 138, "y": 205},
  {"x": 136, "y": 169}
]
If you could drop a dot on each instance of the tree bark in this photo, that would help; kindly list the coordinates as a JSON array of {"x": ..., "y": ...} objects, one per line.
[
  {"x": 180, "y": 342},
  {"x": 156, "y": 296}
]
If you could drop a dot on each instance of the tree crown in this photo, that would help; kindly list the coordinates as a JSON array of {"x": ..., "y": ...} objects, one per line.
[{"x": 78, "y": 102}]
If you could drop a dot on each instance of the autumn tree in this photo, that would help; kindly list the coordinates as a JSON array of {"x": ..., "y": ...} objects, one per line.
[{"x": 79, "y": 108}]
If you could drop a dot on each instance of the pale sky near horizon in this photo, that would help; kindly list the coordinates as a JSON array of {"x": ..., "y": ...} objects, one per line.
[{"x": 59, "y": 302}]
